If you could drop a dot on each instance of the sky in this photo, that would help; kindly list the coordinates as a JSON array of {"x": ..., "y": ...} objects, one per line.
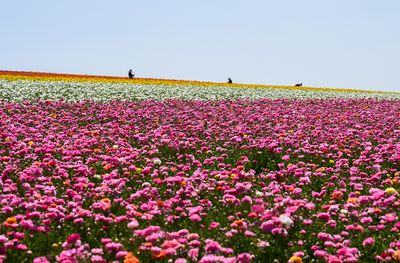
[{"x": 337, "y": 43}]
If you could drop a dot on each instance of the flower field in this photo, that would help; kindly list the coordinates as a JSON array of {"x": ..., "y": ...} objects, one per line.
[{"x": 96, "y": 169}]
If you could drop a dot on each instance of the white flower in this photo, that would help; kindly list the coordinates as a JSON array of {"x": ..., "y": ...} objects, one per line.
[
  {"x": 285, "y": 220},
  {"x": 19, "y": 90},
  {"x": 146, "y": 184},
  {"x": 259, "y": 194}
]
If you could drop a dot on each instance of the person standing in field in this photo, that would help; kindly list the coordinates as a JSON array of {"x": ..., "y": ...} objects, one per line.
[
  {"x": 130, "y": 74},
  {"x": 229, "y": 80}
]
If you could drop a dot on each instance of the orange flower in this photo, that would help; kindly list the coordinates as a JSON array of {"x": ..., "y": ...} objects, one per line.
[
  {"x": 239, "y": 222},
  {"x": 377, "y": 210},
  {"x": 352, "y": 200},
  {"x": 337, "y": 195},
  {"x": 105, "y": 200},
  {"x": 396, "y": 255},
  {"x": 160, "y": 255},
  {"x": 295, "y": 259},
  {"x": 107, "y": 166},
  {"x": 147, "y": 244},
  {"x": 160, "y": 203},
  {"x": 11, "y": 220},
  {"x": 130, "y": 258}
]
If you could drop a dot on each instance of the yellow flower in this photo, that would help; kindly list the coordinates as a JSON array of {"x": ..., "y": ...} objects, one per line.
[
  {"x": 331, "y": 161},
  {"x": 390, "y": 191},
  {"x": 295, "y": 259},
  {"x": 30, "y": 143},
  {"x": 183, "y": 183}
]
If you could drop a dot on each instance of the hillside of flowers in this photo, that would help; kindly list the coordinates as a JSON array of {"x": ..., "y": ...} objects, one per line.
[
  {"x": 20, "y": 86},
  {"x": 97, "y": 169}
]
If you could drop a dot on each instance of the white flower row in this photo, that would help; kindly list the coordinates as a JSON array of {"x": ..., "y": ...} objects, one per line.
[{"x": 19, "y": 90}]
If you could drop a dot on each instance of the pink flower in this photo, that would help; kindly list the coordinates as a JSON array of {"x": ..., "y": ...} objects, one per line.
[
  {"x": 368, "y": 242},
  {"x": 97, "y": 259},
  {"x": 212, "y": 246},
  {"x": 324, "y": 216},
  {"x": 71, "y": 239},
  {"x": 133, "y": 224},
  {"x": 248, "y": 233},
  {"x": 193, "y": 253},
  {"x": 41, "y": 260},
  {"x": 195, "y": 218},
  {"x": 244, "y": 258},
  {"x": 214, "y": 225},
  {"x": 320, "y": 253}
]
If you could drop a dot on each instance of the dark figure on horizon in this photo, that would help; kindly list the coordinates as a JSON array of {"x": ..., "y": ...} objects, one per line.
[
  {"x": 298, "y": 85},
  {"x": 130, "y": 74},
  {"x": 229, "y": 80}
]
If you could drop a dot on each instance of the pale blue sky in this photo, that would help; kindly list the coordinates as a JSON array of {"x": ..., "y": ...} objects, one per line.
[{"x": 337, "y": 43}]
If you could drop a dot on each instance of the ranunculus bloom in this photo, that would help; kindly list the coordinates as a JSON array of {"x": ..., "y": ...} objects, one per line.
[
  {"x": 368, "y": 241},
  {"x": 71, "y": 239}
]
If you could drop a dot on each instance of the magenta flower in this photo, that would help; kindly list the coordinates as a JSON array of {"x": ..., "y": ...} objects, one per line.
[
  {"x": 71, "y": 239},
  {"x": 368, "y": 241}
]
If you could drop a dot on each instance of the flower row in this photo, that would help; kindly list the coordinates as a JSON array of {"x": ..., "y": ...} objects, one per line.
[
  {"x": 200, "y": 181},
  {"x": 19, "y": 90}
]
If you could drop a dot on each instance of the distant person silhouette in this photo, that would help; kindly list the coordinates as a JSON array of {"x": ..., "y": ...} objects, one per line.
[
  {"x": 230, "y": 80},
  {"x": 298, "y": 85},
  {"x": 130, "y": 74}
]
